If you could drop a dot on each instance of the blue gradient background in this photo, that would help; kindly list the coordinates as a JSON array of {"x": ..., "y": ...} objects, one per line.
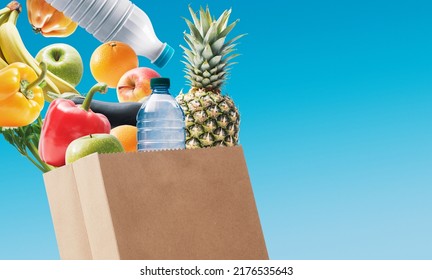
[{"x": 336, "y": 102}]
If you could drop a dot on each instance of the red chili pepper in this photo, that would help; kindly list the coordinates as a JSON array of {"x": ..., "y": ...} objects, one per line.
[{"x": 65, "y": 122}]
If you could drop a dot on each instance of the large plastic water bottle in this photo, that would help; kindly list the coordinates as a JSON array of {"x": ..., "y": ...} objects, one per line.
[
  {"x": 117, "y": 20},
  {"x": 160, "y": 120}
]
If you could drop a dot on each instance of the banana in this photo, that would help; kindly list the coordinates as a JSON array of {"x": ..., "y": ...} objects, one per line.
[
  {"x": 4, "y": 15},
  {"x": 14, "y": 50},
  {"x": 3, "y": 18},
  {"x": 3, "y": 62},
  {"x": 61, "y": 84}
]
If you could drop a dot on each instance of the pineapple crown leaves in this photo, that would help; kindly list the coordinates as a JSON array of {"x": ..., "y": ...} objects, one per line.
[{"x": 209, "y": 56}]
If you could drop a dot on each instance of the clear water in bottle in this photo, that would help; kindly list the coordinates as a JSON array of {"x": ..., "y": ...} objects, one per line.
[{"x": 160, "y": 120}]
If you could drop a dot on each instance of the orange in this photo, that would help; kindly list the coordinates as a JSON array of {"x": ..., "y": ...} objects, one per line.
[
  {"x": 111, "y": 60},
  {"x": 127, "y": 135}
]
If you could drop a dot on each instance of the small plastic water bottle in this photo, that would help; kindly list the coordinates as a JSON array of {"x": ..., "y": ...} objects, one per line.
[
  {"x": 160, "y": 120},
  {"x": 117, "y": 20}
]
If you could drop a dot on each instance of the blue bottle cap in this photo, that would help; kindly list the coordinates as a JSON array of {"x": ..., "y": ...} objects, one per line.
[
  {"x": 164, "y": 57},
  {"x": 159, "y": 82}
]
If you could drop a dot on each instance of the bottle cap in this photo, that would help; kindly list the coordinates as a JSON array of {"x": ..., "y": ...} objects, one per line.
[
  {"x": 164, "y": 57},
  {"x": 159, "y": 82}
]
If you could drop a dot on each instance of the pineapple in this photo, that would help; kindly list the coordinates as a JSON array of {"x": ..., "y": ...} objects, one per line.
[{"x": 211, "y": 118}]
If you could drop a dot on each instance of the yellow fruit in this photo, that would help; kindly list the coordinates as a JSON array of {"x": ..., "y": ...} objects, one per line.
[
  {"x": 48, "y": 21},
  {"x": 127, "y": 135},
  {"x": 111, "y": 60}
]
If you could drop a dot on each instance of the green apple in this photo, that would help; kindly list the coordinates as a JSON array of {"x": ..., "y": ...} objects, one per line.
[
  {"x": 90, "y": 144},
  {"x": 64, "y": 61}
]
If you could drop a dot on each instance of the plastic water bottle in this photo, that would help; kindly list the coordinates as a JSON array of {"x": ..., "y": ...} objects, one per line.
[
  {"x": 117, "y": 20},
  {"x": 160, "y": 120}
]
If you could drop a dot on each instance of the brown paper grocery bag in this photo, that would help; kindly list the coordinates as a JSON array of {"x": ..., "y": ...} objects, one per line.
[
  {"x": 66, "y": 213},
  {"x": 184, "y": 204}
]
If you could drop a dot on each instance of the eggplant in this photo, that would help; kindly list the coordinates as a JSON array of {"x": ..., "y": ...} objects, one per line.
[{"x": 117, "y": 113}]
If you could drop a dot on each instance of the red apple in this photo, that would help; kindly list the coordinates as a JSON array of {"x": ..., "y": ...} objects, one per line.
[{"x": 134, "y": 85}]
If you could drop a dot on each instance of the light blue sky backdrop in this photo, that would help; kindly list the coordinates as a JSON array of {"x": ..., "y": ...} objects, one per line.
[{"x": 335, "y": 99}]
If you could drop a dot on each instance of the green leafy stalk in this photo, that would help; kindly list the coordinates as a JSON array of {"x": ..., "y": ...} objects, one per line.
[
  {"x": 26, "y": 140},
  {"x": 99, "y": 87}
]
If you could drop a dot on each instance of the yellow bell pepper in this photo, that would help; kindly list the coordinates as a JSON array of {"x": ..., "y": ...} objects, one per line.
[
  {"x": 49, "y": 21},
  {"x": 21, "y": 97}
]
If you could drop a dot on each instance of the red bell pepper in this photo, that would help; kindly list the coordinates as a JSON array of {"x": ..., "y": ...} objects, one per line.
[{"x": 65, "y": 122}]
